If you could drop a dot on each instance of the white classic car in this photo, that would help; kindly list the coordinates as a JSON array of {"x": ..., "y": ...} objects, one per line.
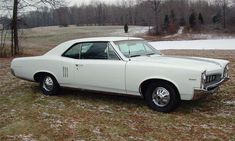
[{"x": 124, "y": 66}]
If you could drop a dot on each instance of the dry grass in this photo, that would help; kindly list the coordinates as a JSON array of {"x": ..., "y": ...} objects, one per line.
[
  {"x": 26, "y": 114},
  {"x": 40, "y": 40},
  {"x": 5, "y": 51}
]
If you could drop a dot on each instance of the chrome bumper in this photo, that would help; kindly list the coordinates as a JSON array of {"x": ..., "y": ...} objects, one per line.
[{"x": 199, "y": 93}]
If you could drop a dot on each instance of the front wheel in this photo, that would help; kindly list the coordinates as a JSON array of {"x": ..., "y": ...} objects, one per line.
[
  {"x": 49, "y": 85},
  {"x": 162, "y": 97}
]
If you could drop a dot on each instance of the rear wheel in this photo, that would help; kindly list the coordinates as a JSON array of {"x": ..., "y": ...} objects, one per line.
[
  {"x": 49, "y": 85},
  {"x": 162, "y": 97}
]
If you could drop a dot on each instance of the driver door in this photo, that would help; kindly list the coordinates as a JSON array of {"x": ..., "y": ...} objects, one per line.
[{"x": 99, "y": 68}]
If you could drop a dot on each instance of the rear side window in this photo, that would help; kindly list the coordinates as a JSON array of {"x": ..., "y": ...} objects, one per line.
[{"x": 73, "y": 52}]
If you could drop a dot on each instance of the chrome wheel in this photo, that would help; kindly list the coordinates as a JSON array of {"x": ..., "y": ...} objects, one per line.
[
  {"x": 48, "y": 84},
  {"x": 161, "y": 96}
]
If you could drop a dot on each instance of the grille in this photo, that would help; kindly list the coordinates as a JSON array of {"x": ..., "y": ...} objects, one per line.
[{"x": 213, "y": 78}]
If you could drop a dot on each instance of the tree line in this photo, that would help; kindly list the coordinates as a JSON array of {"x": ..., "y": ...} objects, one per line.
[{"x": 146, "y": 13}]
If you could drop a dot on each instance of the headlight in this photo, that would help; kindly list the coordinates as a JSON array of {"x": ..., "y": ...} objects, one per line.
[
  {"x": 226, "y": 72},
  {"x": 203, "y": 79}
]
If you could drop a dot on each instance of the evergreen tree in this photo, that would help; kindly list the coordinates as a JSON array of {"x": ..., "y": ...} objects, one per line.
[
  {"x": 192, "y": 20},
  {"x": 166, "y": 22},
  {"x": 172, "y": 24},
  {"x": 217, "y": 18},
  {"x": 200, "y": 18},
  {"x": 182, "y": 22},
  {"x": 172, "y": 16}
]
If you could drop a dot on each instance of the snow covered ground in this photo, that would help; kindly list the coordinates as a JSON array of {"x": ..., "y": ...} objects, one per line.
[
  {"x": 180, "y": 31},
  {"x": 133, "y": 31},
  {"x": 225, "y": 44}
]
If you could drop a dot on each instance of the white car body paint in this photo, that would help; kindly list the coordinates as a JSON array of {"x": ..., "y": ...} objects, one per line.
[{"x": 123, "y": 76}]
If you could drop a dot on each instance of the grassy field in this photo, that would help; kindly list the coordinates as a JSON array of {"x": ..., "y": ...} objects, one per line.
[
  {"x": 26, "y": 114},
  {"x": 41, "y": 39}
]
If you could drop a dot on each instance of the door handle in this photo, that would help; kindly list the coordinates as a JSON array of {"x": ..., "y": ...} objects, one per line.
[{"x": 79, "y": 65}]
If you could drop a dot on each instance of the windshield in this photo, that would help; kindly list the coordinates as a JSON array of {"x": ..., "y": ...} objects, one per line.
[{"x": 135, "y": 48}]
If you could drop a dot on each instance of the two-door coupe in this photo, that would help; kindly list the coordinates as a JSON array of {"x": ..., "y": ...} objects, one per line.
[{"x": 123, "y": 65}]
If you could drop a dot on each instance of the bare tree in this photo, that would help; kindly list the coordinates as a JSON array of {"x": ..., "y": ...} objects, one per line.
[
  {"x": 19, "y": 5},
  {"x": 63, "y": 14},
  {"x": 224, "y": 5},
  {"x": 156, "y": 8},
  {"x": 224, "y": 11}
]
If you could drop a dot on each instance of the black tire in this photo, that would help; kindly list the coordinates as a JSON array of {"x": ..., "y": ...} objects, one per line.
[
  {"x": 173, "y": 98},
  {"x": 49, "y": 90}
]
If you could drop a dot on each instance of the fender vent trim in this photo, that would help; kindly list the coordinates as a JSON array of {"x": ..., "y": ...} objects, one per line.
[{"x": 65, "y": 72}]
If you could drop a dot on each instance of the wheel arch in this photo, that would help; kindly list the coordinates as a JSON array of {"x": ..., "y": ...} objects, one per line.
[
  {"x": 39, "y": 74},
  {"x": 143, "y": 86}
]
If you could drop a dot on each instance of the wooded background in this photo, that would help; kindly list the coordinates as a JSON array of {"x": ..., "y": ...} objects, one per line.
[{"x": 163, "y": 16}]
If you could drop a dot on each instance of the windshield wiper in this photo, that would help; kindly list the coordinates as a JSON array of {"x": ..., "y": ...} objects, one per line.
[{"x": 135, "y": 55}]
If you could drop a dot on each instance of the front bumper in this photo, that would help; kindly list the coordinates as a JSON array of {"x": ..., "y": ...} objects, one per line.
[{"x": 199, "y": 93}]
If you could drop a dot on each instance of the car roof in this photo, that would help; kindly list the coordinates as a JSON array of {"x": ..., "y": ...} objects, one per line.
[
  {"x": 58, "y": 50},
  {"x": 109, "y": 39}
]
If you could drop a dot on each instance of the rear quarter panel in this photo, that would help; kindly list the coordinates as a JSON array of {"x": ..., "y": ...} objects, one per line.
[{"x": 27, "y": 67}]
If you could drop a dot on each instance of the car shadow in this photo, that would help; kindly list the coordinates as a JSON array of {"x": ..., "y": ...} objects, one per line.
[
  {"x": 186, "y": 107},
  {"x": 101, "y": 96}
]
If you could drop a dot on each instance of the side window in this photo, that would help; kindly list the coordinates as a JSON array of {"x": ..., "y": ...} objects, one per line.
[
  {"x": 99, "y": 50},
  {"x": 111, "y": 53},
  {"x": 73, "y": 52},
  {"x": 86, "y": 47},
  {"x": 94, "y": 50}
]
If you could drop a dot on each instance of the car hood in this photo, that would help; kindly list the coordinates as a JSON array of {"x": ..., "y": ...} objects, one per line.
[{"x": 210, "y": 65}]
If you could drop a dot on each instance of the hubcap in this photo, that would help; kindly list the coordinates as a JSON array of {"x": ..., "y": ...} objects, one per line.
[
  {"x": 161, "y": 96},
  {"x": 48, "y": 84}
]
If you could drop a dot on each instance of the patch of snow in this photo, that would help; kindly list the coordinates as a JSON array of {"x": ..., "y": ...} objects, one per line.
[
  {"x": 105, "y": 109},
  {"x": 97, "y": 130},
  {"x": 72, "y": 124},
  {"x": 209, "y": 36},
  {"x": 22, "y": 137},
  {"x": 180, "y": 31},
  {"x": 229, "y": 102},
  {"x": 205, "y": 126},
  {"x": 224, "y": 115},
  {"x": 133, "y": 30},
  {"x": 225, "y": 44},
  {"x": 56, "y": 124},
  {"x": 136, "y": 138}
]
